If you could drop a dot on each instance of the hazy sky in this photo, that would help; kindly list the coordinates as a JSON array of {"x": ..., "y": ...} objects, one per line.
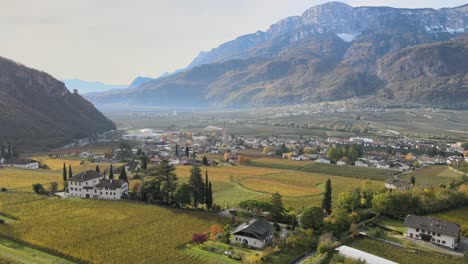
[{"x": 114, "y": 41}]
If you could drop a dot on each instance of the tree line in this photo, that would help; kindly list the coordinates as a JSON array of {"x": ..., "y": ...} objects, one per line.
[
  {"x": 8, "y": 151},
  {"x": 161, "y": 187}
]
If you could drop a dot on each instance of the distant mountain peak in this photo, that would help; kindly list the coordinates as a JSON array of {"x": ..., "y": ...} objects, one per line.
[{"x": 331, "y": 52}]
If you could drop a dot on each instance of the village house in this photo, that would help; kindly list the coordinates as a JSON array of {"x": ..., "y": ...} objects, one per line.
[
  {"x": 255, "y": 233},
  {"x": 341, "y": 162},
  {"x": 323, "y": 160},
  {"x": 439, "y": 232},
  {"x": 397, "y": 184},
  {"x": 362, "y": 163},
  {"x": 22, "y": 163},
  {"x": 92, "y": 184}
]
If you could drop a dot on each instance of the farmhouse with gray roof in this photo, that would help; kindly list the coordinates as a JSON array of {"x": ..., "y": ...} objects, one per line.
[
  {"x": 433, "y": 230},
  {"x": 254, "y": 233}
]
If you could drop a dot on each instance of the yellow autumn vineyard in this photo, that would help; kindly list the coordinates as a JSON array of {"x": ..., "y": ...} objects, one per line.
[{"x": 100, "y": 231}]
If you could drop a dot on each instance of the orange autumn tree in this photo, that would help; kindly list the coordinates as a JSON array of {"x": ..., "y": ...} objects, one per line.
[
  {"x": 226, "y": 156},
  {"x": 215, "y": 230},
  {"x": 243, "y": 159}
]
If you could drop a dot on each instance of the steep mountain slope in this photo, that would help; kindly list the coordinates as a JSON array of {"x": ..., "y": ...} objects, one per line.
[
  {"x": 331, "y": 52},
  {"x": 435, "y": 73},
  {"x": 37, "y": 111}
]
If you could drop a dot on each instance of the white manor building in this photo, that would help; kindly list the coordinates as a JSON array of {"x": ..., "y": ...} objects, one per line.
[
  {"x": 436, "y": 231},
  {"x": 91, "y": 184}
]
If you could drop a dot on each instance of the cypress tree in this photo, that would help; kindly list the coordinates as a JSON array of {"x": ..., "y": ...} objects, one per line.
[
  {"x": 177, "y": 150},
  {"x": 413, "y": 180},
  {"x": 123, "y": 174},
  {"x": 209, "y": 197},
  {"x": 64, "y": 172},
  {"x": 206, "y": 187},
  {"x": 2, "y": 150},
  {"x": 9, "y": 154},
  {"x": 327, "y": 199},
  {"x": 70, "y": 174},
  {"x": 187, "y": 153},
  {"x": 111, "y": 173},
  {"x": 97, "y": 168}
]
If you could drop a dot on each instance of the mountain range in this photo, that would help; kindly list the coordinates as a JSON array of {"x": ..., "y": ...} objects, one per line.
[
  {"x": 38, "y": 112},
  {"x": 331, "y": 52}
]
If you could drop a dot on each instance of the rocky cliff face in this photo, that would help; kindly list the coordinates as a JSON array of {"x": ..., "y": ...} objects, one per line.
[
  {"x": 37, "y": 111},
  {"x": 347, "y": 23},
  {"x": 331, "y": 52}
]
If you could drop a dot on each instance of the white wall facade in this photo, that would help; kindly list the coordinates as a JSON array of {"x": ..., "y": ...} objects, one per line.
[
  {"x": 77, "y": 189},
  {"x": 251, "y": 242},
  {"x": 439, "y": 239},
  {"x": 32, "y": 165}
]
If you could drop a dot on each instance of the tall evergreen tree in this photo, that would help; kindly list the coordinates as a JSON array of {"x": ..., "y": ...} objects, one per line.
[
  {"x": 70, "y": 173},
  {"x": 9, "y": 154},
  {"x": 413, "y": 180},
  {"x": 187, "y": 152},
  {"x": 327, "y": 198},
  {"x": 97, "y": 168},
  {"x": 64, "y": 172},
  {"x": 277, "y": 206},
  {"x": 196, "y": 183},
  {"x": 14, "y": 152},
  {"x": 2, "y": 150},
  {"x": 168, "y": 179},
  {"x": 205, "y": 161},
  {"x": 123, "y": 174},
  {"x": 209, "y": 197},
  {"x": 111, "y": 173},
  {"x": 177, "y": 150},
  {"x": 206, "y": 187}
]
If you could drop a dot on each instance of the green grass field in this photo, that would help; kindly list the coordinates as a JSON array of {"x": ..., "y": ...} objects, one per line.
[
  {"x": 327, "y": 169},
  {"x": 279, "y": 163},
  {"x": 433, "y": 175},
  {"x": 12, "y": 252},
  {"x": 232, "y": 185},
  {"x": 403, "y": 255},
  {"x": 392, "y": 224},
  {"x": 99, "y": 231}
]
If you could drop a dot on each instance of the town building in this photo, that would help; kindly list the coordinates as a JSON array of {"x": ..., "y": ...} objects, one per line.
[
  {"x": 255, "y": 233},
  {"x": 436, "y": 231},
  {"x": 92, "y": 184}
]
